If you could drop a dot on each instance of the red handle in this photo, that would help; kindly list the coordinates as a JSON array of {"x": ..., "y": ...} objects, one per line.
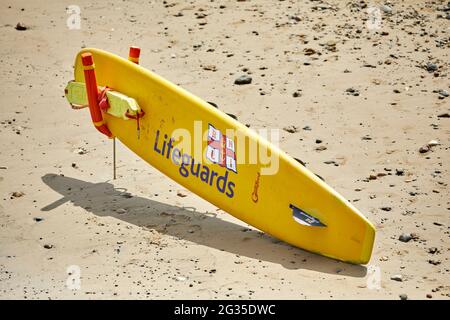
[
  {"x": 134, "y": 54},
  {"x": 92, "y": 93}
]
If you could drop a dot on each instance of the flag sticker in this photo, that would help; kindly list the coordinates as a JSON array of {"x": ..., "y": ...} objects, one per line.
[{"x": 221, "y": 149}]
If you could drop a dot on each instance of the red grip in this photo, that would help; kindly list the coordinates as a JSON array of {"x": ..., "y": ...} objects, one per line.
[
  {"x": 134, "y": 54},
  {"x": 92, "y": 93}
]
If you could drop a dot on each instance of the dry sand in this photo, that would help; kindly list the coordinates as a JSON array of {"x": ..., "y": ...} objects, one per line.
[{"x": 135, "y": 237}]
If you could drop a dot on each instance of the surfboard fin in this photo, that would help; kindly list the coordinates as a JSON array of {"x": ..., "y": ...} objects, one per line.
[{"x": 304, "y": 218}]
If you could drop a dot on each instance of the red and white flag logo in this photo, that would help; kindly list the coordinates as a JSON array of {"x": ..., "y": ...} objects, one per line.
[{"x": 221, "y": 149}]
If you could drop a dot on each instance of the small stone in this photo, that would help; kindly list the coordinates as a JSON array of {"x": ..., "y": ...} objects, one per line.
[
  {"x": 48, "y": 246},
  {"x": 21, "y": 26},
  {"x": 431, "y": 67},
  {"x": 433, "y": 143},
  {"x": 424, "y": 149},
  {"x": 443, "y": 93},
  {"x": 403, "y": 296},
  {"x": 386, "y": 208},
  {"x": 432, "y": 250},
  {"x": 405, "y": 237},
  {"x": 181, "y": 194},
  {"x": 291, "y": 129},
  {"x": 307, "y": 128},
  {"x": 386, "y": 9},
  {"x": 309, "y": 51},
  {"x": 321, "y": 148},
  {"x": 209, "y": 67},
  {"x": 81, "y": 150},
  {"x": 180, "y": 278},
  {"x": 297, "y": 94},
  {"x": 372, "y": 177},
  {"x": 121, "y": 211},
  {"x": 397, "y": 277},
  {"x": 399, "y": 172},
  {"x": 244, "y": 79},
  {"x": 434, "y": 262},
  {"x": 429, "y": 296},
  {"x": 38, "y": 219},
  {"x": 352, "y": 91},
  {"x": 17, "y": 194},
  {"x": 74, "y": 165},
  {"x": 318, "y": 141},
  {"x": 444, "y": 115}
]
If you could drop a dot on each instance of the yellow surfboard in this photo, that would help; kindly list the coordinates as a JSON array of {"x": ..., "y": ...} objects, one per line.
[{"x": 229, "y": 165}]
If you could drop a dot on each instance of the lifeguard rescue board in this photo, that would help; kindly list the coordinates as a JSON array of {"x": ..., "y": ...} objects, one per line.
[{"x": 291, "y": 203}]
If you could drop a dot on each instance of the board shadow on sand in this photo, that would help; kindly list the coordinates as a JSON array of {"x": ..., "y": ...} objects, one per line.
[{"x": 205, "y": 229}]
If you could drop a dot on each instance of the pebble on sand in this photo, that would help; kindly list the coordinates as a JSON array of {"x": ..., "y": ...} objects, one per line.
[
  {"x": 424, "y": 149},
  {"x": 397, "y": 277},
  {"x": 386, "y": 9},
  {"x": 81, "y": 150},
  {"x": 428, "y": 146},
  {"x": 443, "y": 93},
  {"x": 291, "y": 129},
  {"x": 20, "y": 26},
  {"x": 244, "y": 79},
  {"x": 405, "y": 237},
  {"x": 431, "y": 67},
  {"x": 17, "y": 194},
  {"x": 434, "y": 262},
  {"x": 180, "y": 278},
  {"x": 403, "y": 296},
  {"x": 444, "y": 115},
  {"x": 352, "y": 91},
  {"x": 181, "y": 194}
]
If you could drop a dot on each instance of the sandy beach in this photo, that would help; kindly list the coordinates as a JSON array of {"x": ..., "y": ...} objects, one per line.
[{"x": 367, "y": 107}]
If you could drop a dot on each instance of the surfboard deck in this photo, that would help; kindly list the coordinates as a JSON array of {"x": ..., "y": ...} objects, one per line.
[{"x": 293, "y": 204}]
